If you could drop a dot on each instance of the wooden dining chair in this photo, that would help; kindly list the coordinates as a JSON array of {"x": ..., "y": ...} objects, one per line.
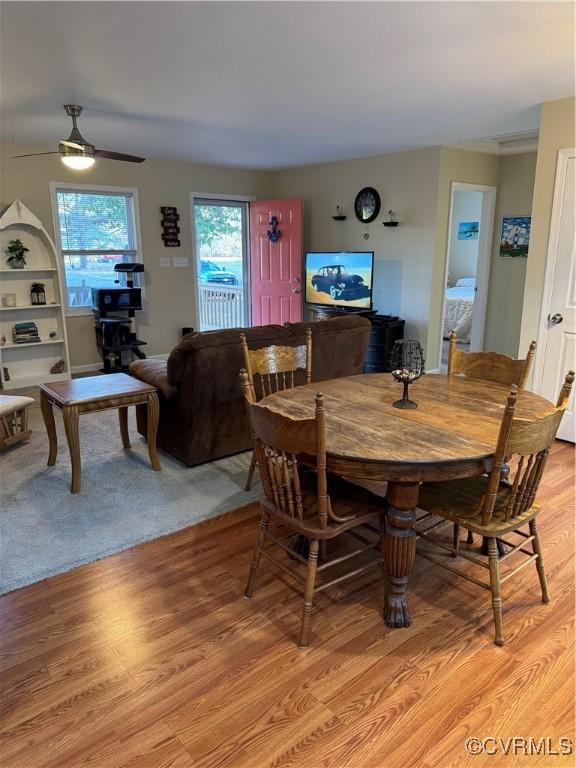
[
  {"x": 271, "y": 369},
  {"x": 495, "y": 508},
  {"x": 304, "y": 500},
  {"x": 491, "y": 366}
]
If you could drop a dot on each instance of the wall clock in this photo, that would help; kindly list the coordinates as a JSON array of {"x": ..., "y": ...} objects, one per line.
[{"x": 367, "y": 205}]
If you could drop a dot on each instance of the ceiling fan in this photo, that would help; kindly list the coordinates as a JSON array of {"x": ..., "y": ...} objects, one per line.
[{"x": 76, "y": 152}]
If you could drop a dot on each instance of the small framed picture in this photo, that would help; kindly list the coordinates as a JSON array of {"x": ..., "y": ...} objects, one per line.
[
  {"x": 468, "y": 230},
  {"x": 515, "y": 236}
]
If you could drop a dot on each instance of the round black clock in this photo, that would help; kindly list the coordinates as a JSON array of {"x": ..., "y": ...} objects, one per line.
[{"x": 367, "y": 205}]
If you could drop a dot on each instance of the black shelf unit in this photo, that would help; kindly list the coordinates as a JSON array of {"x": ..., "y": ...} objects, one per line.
[{"x": 116, "y": 343}]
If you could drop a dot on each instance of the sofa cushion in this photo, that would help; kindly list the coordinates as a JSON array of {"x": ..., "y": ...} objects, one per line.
[
  {"x": 264, "y": 334},
  {"x": 330, "y": 358},
  {"x": 154, "y": 372}
]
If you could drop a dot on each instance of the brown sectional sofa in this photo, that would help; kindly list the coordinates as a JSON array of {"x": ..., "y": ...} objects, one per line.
[{"x": 202, "y": 413}]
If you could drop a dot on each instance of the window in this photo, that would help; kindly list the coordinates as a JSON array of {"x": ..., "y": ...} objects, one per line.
[
  {"x": 221, "y": 253},
  {"x": 97, "y": 229}
]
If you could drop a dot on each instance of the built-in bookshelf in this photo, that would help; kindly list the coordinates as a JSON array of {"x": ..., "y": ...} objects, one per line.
[{"x": 27, "y": 364}]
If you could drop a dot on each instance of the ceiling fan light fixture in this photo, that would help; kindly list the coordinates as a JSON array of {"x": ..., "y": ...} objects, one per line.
[
  {"x": 78, "y": 162},
  {"x": 77, "y": 153}
]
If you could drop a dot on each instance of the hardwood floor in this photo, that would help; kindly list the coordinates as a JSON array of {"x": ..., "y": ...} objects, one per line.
[{"x": 152, "y": 658}]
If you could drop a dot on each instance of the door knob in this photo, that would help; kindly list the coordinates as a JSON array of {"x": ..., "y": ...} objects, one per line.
[
  {"x": 296, "y": 290},
  {"x": 556, "y": 319}
]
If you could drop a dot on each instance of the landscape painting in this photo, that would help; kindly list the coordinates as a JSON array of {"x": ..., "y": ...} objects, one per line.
[
  {"x": 468, "y": 230},
  {"x": 515, "y": 236}
]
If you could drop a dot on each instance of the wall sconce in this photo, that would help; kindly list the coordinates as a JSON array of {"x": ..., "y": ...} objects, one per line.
[
  {"x": 391, "y": 220},
  {"x": 339, "y": 214}
]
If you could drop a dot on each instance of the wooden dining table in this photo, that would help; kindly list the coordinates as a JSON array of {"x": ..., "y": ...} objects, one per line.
[{"x": 451, "y": 434}]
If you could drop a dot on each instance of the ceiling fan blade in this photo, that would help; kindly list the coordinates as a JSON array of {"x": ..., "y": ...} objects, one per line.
[
  {"x": 72, "y": 144},
  {"x": 36, "y": 154},
  {"x": 119, "y": 156}
]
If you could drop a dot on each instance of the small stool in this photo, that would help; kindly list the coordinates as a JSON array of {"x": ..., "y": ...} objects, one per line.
[{"x": 14, "y": 419}]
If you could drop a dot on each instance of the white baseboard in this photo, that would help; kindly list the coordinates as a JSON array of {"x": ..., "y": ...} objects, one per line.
[
  {"x": 86, "y": 368},
  {"x": 90, "y": 367}
]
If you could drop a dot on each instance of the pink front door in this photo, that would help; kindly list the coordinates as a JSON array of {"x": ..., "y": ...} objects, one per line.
[{"x": 276, "y": 264}]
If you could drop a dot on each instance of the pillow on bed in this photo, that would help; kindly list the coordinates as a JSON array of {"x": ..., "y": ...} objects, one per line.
[{"x": 466, "y": 282}]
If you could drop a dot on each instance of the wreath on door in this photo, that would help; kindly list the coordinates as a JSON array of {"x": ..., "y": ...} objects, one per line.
[{"x": 273, "y": 233}]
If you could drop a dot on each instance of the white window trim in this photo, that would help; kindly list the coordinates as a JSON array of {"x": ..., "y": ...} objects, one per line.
[
  {"x": 247, "y": 288},
  {"x": 61, "y": 186}
]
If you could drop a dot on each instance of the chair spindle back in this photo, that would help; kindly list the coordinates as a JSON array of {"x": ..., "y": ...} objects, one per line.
[
  {"x": 279, "y": 441},
  {"x": 272, "y": 369},
  {"x": 489, "y": 365},
  {"x": 528, "y": 441}
]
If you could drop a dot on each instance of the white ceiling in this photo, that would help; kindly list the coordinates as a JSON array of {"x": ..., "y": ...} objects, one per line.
[{"x": 270, "y": 84}]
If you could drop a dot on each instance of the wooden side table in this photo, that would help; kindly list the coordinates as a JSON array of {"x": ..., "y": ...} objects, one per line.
[{"x": 97, "y": 393}]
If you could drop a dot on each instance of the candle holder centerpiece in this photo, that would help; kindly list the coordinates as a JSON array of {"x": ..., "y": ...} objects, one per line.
[{"x": 406, "y": 365}]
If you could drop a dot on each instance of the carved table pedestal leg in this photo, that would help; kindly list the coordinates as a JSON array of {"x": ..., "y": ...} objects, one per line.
[{"x": 399, "y": 550}]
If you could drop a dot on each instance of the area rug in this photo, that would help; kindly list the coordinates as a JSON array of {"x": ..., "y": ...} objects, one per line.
[{"x": 45, "y": 530}]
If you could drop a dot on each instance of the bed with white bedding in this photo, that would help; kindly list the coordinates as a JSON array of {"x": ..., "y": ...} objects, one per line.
[{"x": 458, "y": 308}]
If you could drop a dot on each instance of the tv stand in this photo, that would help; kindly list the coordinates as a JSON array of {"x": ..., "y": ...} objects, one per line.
[{"x": 386, "y": 329}]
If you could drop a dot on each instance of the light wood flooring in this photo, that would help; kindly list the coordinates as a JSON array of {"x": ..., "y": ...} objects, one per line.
[{"x": 153, "y": 659}]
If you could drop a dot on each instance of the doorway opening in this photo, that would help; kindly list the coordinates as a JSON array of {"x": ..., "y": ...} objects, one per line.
[
  {"x": 467, "y": 267},
  {"x": 221, "y": 258}
]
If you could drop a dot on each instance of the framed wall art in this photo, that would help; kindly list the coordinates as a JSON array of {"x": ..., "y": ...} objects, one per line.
[
  {"x": 515, "y": 236},
  {"x": 468, "y": 230}
]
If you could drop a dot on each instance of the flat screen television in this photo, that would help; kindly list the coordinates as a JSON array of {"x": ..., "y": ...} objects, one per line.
[
  {"x": 116, "y": 299},
  {"x": 339, "y": 279}
]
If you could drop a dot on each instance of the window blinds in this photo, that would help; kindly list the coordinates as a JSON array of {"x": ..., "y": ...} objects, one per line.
[{"x": 97, "y": 222}]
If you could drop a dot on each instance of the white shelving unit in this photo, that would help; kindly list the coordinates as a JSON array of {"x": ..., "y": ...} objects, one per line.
[
  {"x": 33, "y": 307},
  {"x": 29, "y": 364}
]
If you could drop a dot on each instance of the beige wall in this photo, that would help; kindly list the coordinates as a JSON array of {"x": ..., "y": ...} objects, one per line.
[
  {"x": 169, "y": 292},
  {"x": 507, "y": 275},
  {"x": 557, "y": 131},
  {"x": 407, "y": 183},
  {"x": 410, "y": 259}
]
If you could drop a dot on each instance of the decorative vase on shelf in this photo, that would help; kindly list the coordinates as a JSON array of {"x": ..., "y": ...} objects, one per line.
[
  {"x": 16, "y": 254},
  {"x": 9, "y": 300}
]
